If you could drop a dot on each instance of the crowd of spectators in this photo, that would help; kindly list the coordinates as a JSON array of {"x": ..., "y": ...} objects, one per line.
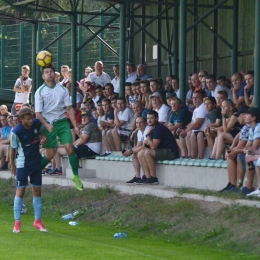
[{"x": 217, "y": 113}]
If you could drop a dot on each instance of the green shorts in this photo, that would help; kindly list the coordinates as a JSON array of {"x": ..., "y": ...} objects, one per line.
[
  {"x": 164, "y": 154},
  {"x": 61, "y": 129}
]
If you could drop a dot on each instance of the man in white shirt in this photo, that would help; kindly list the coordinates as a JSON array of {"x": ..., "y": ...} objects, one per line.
[
  {"x": 52, "y": 101},
  {"x": 116, "y": 80},
  {"x": 193, "y": 134},
  {"x": 131, "y": 71},
  {"x": 143, "y": 129},
  {"x": 64, "y": 72},
  {"x": 160, "y": 107},
  {"x": 99, "y": 77},
  {"x": 123, "y": 119},
  {"x": 22, "y": 88},
  {"x": 212, "y": 85},
  {"x": 175, "y": 86}
]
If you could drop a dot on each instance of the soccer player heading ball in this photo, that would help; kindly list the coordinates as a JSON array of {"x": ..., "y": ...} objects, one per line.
[
  {"x": 52, "y": 101},
  {"x": 25, "y": 138}
]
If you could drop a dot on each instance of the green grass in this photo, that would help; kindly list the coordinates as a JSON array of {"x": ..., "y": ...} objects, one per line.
[{"x": 89, "y": 241}]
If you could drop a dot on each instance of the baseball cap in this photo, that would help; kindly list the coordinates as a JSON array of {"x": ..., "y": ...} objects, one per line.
[
  {"x": 85, "y": 113},
  {"x": 253, "y": 112},
  {"x": 18, "y": 106},
  {"x": 242, "y": 110},
  {"x": 89, "y": 101},
  {"x": 156, "y": 94},
  {"x": 170, "y": 95},
  {"x": 90, "y": 87}
]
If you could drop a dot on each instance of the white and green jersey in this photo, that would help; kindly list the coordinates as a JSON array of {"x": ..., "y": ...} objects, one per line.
[{"x": 51, "y": 102}]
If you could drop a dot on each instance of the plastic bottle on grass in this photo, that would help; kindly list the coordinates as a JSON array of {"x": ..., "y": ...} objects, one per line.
[
  {"x": 70, "y": 216},
  {"x": 120, "y": 235},
  {"x": 73, "y": 223}
]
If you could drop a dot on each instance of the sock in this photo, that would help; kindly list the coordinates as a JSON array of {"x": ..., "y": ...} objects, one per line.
[
  {"x": 74, "y": 163},
  {"x": 37, "y": 206},
  {"x": 18, "y": 203},
  {"x": 44, "y": 162}
]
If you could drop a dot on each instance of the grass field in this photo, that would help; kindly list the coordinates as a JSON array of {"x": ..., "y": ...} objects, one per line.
[{"x": 157, "y": 228}]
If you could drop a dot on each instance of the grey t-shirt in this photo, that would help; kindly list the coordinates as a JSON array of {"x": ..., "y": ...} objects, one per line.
[
  {"x": 211, "y": 117},
  {"x": 94, "y": 132}
]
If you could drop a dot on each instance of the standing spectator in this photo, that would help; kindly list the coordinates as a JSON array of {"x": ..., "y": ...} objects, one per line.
[
  {"x": 4, "y": 110},
  {"x": 88, "y": 70},
  {"x": 160, "y": 107},
  {"x": 168, "y": 85},
  {"x": 51, "y": 103},
  {"x": 116, "y": 80},
  {"x": 99, "y": 77},
  {"x": 22, "y": 88},
  {"x": 142, "y": 129},
  {"x": 238, "y": 90},
  {"x": 57, "y": 77},
  {"x": 141, "y": 72},
  {"x": 193, "y": 134},
  {"x": 4, "y": 142},
  {"x": 249, "y": 88},
  {"x": 110, "y": 91},
  {"x": 131, "y": 73},
  {"x": 123, "y": 119},
  {"x": 159, "y": 145}
]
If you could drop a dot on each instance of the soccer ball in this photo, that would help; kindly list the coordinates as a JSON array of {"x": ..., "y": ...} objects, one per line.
[
  {"x": 24, "y": 209},
  {"x": 44, "y": 58}
]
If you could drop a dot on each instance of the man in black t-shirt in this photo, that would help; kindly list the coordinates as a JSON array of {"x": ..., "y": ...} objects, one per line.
[{"x": 159, "y": 145}]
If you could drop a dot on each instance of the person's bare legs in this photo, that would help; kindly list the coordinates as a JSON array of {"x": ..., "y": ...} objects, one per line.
[
  {"x": 223, "y": 138},
  {"x": 201, "y": 144},
  {"x": 136, "y": 165},
  {"x": 57, "y": 157},
  {"x": 257, "y": 171},
  {"x": 240, "y": 171},
  {"x": 1, "y": 151},
  {"x": 194, "y": 146},
  {"x": 214, "y": 150},
  {"x": 116, "y": 138},
  {"x": 188, "y": 143},
  {"x": 183, "y": 147},
  {"x": 110, "y": 140},
  {"x": 149, "y": 156},
  {"x": 249, "y": 178},
  {"x": 232, "y": 171},
  {"x": 211, "y": 139},
  {"x": 143, "y": 163},
  {"x": 105, "y": 141}
]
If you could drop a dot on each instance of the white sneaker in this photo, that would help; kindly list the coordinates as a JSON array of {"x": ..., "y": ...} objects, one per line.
[{"x": 255, "y": 193}]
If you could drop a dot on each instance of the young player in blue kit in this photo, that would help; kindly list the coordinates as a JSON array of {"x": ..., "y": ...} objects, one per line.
[{"x": 26, "y": 138}]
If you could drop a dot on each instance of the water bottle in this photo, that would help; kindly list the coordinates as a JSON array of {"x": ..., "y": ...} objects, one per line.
[
  {"x": 120, "y": 235},
  {"x": 70, "y": 216},
  {"x": 250, "y": 164},
  {"x": 239, "y": 184},
  {"x": 73, "y": 223}
]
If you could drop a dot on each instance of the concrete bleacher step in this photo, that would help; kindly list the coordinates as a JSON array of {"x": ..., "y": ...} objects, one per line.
[{"x": 83, "y": 173}]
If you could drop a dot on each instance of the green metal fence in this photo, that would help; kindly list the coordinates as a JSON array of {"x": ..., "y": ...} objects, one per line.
[{"x": 16, "y": 46}]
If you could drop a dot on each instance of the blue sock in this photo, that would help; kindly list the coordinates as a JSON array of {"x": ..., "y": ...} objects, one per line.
[
  {"x": 37, "y": 205},
  {"x": 18, "y": 203}
]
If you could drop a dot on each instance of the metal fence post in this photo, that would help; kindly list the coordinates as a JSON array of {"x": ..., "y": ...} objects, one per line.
[
  {"x": 3, "y": 57},
  {"x": 33, "y": 69},
  {"x": 101, "y": 46},
  {"x": 39, "y": 47},
  {"x": 80, "y": 53},
  {"x": 21, "y": 41},
  {"x": 59, "y": 31},
  {"x": 73, "y": 57}
]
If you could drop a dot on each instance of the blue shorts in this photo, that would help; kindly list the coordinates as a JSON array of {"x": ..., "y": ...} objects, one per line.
[
  {"x": 22, "y": 175},
  {"x": 242, "y": 158}
]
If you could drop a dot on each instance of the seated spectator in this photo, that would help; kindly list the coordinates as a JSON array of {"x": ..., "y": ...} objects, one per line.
[
  {"x": 131, "y": 73},
  {"x": 180, "y": 118},
  {"x": 175, "y": 86},
  {"x": 101, "y": 115},
  {"x": 107, "y": 124},
  {"x": 145, "y": 90},
  {"x": 193, "y": 134},
  {"x": 91, "y": 90},
  {"x": 4, "y": 142},
  {"x": 204, "y": 86},
  {"x": 99, "y": 94},
  {"x": 155, "y": 87},
  {"x": 79, "y": 97},
  {"x": 221, "y": 80},
  {"x": 114, "y": 102},
  {"x": 10, "y": 121},
  {"x": 168, "y": 85},
  {"x": 160, "y": 107},
  {"x": 201, "y": 75},
  {"x": 249, "y": 88},
  {"x": 212, "y": 85},
  {"x": 16, "y": 120},
  {"x": 4, "y": 110},
  {"x": 142, "y": 129},
  {"x": 116, "y": 80},
  {"x": 252, "y": 117},
  {"x": 88, "y": 70},
  {"x": 189, "y": 101},
  {"x": 230, "y": 130},
  {"x": 129, "y": 95},
  {"x": 210, "y": 105},
  {"x": 141, "y": 72},
  {"x": 235, "y": 156},
  {"x": 238, "y": 90},
  {"x": 110, "y": 91},
  {"x": 138, "y": 92},
  {"x": 99, "y": 77},
  {"x": 195, "y": 81},
  {"x": 90, "y": 141},
  {"x": 57, "y": 77},
  {"x": 159, "y": 145},
  {"x": 169, "y": 97},
  {"x": 89, "y": 105},
  {"x": 123, "y": 119}
]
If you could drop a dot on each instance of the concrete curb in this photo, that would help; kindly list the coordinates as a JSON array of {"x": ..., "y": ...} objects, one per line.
[{"x": 157, "y": 190}]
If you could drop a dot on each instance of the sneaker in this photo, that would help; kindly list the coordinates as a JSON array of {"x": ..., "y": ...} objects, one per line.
[
  {"x": 255, "y": 193},
  {"x": 78, "y": 182},
  {"x": 141, "y": 180},
  {"x": 226, "y": 188},
  {"x": 46, "y": 172},
  {"x": 105, "y": 154},
  {"x": 4, "y": 167},
  {"x": 232, "y": 189},
  {"x": 17, "y": 226},
  {"x": 135, "y": 179},
  {"x": 151, "y": 180},
  {"x": 54, "y": 172},
  {"x": 39, "y": 225},
  {"x": 245, "y": 191}
]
